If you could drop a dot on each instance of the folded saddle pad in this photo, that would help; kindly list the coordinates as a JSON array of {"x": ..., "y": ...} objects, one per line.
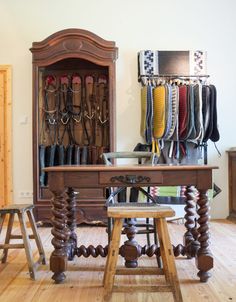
[{"x": 159, "y": 111}]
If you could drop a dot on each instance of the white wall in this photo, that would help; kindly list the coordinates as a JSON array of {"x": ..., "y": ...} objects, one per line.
[{"x": 164, "y": 25}]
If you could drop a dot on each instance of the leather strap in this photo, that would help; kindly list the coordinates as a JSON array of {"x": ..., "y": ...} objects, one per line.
[
  {"x": 76, "y": 155},
  {"x": 69, "y": 154},
  {"x": 84, "y": 156}
]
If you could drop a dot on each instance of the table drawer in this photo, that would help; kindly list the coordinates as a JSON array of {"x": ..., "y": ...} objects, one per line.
[
  {"x": 131, "y": 178},
  {"x": 91, "y": 193}
]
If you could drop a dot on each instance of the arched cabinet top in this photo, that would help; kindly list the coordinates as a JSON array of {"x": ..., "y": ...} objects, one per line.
[{"x": 74, "y": 43}]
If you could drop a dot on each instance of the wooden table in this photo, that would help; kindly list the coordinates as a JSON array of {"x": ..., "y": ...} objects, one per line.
[{"x": 63, "y": 180}]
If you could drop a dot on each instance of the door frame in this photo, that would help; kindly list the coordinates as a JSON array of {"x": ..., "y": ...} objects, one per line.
[{"x": 6, "y": 190}]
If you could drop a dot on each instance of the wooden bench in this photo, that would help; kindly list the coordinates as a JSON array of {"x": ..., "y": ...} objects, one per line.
[
  {"x": 159, "y": 214},
  {"x": 21, "y": 210}
]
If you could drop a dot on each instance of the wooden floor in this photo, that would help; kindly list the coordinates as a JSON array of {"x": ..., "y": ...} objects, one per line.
[{"x": 84, "y": 276}]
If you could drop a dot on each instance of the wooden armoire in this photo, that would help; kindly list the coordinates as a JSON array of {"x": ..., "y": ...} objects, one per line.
[{"x": 70, "y": 59}]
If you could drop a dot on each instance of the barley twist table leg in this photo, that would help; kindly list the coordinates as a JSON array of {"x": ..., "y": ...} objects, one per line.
[
  {"x": 191, "y": 235},
  {"x": 61, "y": 234},
  {"x": 71, "y": 215},
  {"x": 204, "y": 259}
]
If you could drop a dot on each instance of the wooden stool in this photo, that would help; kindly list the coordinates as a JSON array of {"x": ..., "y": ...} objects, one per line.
[
  {"x": 158, "y": 213},
  {"x": 21, "y": 210}
]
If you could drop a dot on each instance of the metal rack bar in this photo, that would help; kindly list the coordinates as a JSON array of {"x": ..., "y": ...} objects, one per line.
[
  {"x": 173, "y": 76},
  {"x": 177, "y": 75}
]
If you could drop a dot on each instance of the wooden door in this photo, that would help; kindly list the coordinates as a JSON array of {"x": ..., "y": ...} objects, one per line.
[{"x": 5, "y": 136}]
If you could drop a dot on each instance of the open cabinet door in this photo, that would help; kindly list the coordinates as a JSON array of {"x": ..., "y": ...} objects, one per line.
[{"x": 5, "y": 136}]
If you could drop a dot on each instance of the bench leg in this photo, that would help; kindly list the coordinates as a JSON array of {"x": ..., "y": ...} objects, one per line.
[
  {"x": 26, "y": 242},
  {"x": 159, "y": 263},
  {"x": 36, "y": 237},
  {"x": 112, "y": 258},
  {"x": 168, "y": 258},
  {"x": 2, "y": 218},
  {"x": 8, "y": 236}
]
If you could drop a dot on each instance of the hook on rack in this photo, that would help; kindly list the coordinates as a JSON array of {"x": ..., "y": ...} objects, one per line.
[{"x": 143, "y": 78}]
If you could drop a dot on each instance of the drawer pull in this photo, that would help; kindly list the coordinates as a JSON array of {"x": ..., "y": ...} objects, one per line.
[{"x": 130, "y": 179}]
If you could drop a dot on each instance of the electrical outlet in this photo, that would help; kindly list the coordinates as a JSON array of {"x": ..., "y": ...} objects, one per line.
[
  {"x": 22, "y": 194},
  {"x": 25, "y": 194}
]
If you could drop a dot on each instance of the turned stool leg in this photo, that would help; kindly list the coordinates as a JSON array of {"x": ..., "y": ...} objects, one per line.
[
  {"x": 37, "y": 238},
  {"x": 28, "y": 250},
  {"x": 168, "y": 260},
  {"x": 113, "y": 252},
  {"x": 8, "y": 236}
]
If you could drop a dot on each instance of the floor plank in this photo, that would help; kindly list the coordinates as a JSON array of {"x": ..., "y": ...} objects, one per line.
[{"x": 84, "y": 276}]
